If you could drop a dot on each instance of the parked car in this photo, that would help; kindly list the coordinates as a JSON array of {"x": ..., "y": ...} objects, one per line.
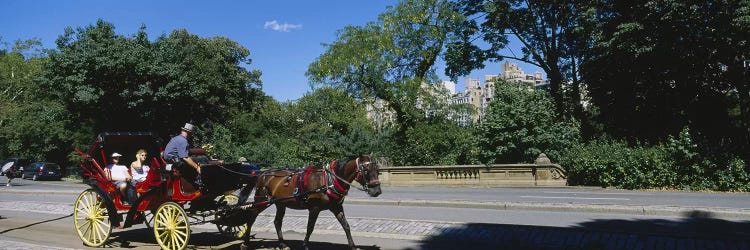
[
  {"x": 42, "y": 170},
  {"x": 18, "y": 164}
]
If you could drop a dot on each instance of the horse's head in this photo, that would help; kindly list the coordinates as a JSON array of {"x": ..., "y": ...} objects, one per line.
[{"x": 368, "y": 169}]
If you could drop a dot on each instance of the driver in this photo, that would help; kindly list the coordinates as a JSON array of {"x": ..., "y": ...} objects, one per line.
[{"x": 176, "y": 152}]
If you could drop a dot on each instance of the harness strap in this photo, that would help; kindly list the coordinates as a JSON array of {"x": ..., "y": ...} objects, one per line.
[
  {"x": 335, "y": 190},
  {"x": 328, "y": 169},
  {"x": 332, "y": 186}
]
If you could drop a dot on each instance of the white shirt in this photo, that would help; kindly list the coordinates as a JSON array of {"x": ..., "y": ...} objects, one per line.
[
  {"x": 139, "y": 174},
  {"x": 118, "y": 172}
]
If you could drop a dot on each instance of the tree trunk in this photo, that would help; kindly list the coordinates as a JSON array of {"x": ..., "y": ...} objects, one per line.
[{"x": 555, "y": 84}]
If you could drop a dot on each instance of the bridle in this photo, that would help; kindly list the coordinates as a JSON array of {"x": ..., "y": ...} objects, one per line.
[{"x": 363, "y": 175}]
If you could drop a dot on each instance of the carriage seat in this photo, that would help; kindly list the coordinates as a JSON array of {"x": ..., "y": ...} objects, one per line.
[{"x": 153, "y": 178}]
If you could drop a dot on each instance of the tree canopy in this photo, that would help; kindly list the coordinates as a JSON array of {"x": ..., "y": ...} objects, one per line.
[
  {"x": 551, "y": 33},
  {"x": 113, "y": 82},
  {"x": 658, "y": 66},
  {"x": 389, "y": 59},
  {"x": 520, "y": 124},
  {"x": 30, "y": 124}
]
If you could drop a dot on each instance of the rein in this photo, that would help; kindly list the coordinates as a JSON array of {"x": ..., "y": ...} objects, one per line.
[{"x": 235, "y": 172}]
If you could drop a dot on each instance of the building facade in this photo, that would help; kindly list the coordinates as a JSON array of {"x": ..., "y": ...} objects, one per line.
[
  {"x": 476, "y": 94},
  {"x": 480, "y": 95}
]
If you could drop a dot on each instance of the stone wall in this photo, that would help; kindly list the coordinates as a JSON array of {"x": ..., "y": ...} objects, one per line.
[{"x": 541, "y": 173}]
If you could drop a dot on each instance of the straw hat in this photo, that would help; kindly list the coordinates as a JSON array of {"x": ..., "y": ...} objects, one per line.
[{"x": 188, "y": 127}]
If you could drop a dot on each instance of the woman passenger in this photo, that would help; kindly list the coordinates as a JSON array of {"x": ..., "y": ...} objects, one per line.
[{"x": 139, "y": 168}]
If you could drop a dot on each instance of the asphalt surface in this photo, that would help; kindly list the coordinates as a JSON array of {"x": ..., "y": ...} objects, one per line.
[
  {"x": 725, "y": 225},
  {"x": 571, "y": 199}
]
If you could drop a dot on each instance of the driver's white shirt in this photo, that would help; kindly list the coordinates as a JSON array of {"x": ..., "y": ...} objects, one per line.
[{"x": 118, "y": 172}]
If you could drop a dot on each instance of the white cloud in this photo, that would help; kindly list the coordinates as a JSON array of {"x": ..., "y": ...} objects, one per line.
[{"x": 274, "y": 25}]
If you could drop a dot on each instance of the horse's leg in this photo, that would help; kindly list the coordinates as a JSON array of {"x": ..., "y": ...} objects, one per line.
[
  {"x": 250, "y": 221},
  {"x": 338, "y": 211},
  {"x": 277, "y": 221},
  {"x": 313, "y": 216}
]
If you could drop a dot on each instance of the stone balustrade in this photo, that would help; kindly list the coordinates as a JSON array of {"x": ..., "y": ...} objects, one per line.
[{"x": 541, "y": 173}]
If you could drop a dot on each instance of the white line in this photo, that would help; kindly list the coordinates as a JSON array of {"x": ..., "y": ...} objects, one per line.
[
  {"x": 597, "y": 193},
  {"x": 574, "y": 198}
]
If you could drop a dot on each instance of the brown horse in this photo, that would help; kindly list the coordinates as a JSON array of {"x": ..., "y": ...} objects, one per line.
[{"x": 314, "y": 189}]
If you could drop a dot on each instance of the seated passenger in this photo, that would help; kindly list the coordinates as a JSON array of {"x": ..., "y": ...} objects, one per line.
[
  {"x": 119, "y": 174},
  {"x": 139, "y": 168}
]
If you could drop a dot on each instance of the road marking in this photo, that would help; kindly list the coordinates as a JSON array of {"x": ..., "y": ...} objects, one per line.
[
  {"x": 575, "y": 198},
  {"x": 597, "y": 193}
]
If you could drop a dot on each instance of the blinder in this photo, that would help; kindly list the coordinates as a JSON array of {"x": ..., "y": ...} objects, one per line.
[{"x": 364, "y": 172}]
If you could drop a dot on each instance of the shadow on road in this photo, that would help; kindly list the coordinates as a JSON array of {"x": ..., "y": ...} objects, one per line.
[
  {"x": 697, "y": 230},
  {"x": 145, "y": 237},
  {"x": 297, "y": 244},
  {"x": 212, "y": 240},
  {"x": 34, "y": 224}
]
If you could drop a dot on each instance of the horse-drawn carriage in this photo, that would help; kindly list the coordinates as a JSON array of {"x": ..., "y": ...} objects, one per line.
[
  {"x": 173, "y": 203},
  {"x": 176, "y": 204}
]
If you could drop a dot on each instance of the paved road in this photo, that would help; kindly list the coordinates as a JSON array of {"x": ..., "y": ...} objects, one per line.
[
  {"x": 31, "y": 207},
  {"x": 663, "y": 203}
]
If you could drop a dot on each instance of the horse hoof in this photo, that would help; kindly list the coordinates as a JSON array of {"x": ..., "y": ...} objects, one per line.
[{"x": 283, "y": 246}]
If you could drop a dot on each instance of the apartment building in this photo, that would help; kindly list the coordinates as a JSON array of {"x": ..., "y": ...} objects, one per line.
[
  {"x": 475, "y": 93},
  {"x": 480, "y": 95}
]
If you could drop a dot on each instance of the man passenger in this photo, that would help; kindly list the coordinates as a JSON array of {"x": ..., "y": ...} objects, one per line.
[{"x": 119, "y": 174}]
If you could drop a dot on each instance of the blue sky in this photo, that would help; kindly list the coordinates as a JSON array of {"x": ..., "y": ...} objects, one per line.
[{"x": 283, "y": 37}]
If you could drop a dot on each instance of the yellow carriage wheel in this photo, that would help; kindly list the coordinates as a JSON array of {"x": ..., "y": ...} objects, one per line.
[
  {"x": 171, "y": 226},
  {"x": 91, "y": 219},
  {"x": 235, "y": 231}
]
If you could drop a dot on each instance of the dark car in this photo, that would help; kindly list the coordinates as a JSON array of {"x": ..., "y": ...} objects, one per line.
[
  {"x": 42, "y": 170},
  {"x": 18, "y": 165}
]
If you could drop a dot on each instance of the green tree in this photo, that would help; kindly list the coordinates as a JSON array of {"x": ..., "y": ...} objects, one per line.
[
  {"x": 114, "y": 82},
  {"x": 273, "y": 134},
  {"x": 438, "y": 142},
  {"x": 554, "y": 36},
  {"x": 521, "y": 123},
  {"x": 332, "y": 123},
  {"x": 17, "y": 74},
  {"x": 389, "y": 59},
  {"x": 658, "y": 66},
  {"x": 323, "y": 125},
  {"x": 31, "y": 125}
]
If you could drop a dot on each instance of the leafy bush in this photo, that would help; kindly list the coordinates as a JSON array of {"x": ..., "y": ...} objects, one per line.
[
  {"x": 439, "y": 142},
  {"x": 734, "y": 177},
  {"x": 520, "y": 123},
  {"x": 676, "y": 164},
  {"x": 609, "y": 163}
]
